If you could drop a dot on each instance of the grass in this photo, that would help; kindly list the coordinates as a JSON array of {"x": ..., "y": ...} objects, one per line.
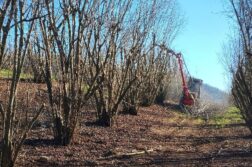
[
  {"x": 6, "y": 73},
  {"x": 184, "y": 118},
  {"x": 231, "y": 116},
  {"x": 198, "y": 121}
]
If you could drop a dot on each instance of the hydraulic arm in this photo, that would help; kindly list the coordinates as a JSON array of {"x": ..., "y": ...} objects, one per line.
[{"x": 187, "y": 98}]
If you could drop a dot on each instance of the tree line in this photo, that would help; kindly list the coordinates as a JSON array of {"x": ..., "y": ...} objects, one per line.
[
  {"x": 113, "y": 53},
  {"x": 238, "y": 57}
]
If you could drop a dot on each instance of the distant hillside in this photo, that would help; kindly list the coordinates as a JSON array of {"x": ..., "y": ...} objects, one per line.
[{"x": 213, "y": 94}]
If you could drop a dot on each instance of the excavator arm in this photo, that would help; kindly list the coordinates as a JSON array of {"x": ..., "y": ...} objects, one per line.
[{"x": 189, "y": 100}]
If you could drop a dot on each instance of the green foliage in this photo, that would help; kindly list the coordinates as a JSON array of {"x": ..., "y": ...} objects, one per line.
[
  {"x": 6, "y": 73},
  {"x": 231, "y": 116}
]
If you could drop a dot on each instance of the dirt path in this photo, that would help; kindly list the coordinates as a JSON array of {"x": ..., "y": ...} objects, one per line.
[{"x": 159, "y": 137}]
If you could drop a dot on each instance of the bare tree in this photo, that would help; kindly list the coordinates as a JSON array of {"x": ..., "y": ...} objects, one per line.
[
  {"x": 116, "y": 59},
  {"x": 241, "y": 59},
  {"x": 14, "y": 135},
  {"x": 6, "y": 18},
  {"x": 154, "y": 71},
  {"x": 64, "y": 49}
]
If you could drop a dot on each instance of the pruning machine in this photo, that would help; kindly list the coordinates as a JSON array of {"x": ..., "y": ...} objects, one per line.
[{"x": 189, "y": 101}]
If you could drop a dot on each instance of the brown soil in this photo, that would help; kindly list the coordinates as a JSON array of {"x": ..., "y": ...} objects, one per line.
[{"x": 162, "y": 135}]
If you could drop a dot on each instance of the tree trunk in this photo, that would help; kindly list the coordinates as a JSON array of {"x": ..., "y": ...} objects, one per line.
[
  {"x": 105, "y": 119},
  {"x": 6, "y": 157},
  {"x": 63, "y": 134},
  {"x": 129, "y": 108}
]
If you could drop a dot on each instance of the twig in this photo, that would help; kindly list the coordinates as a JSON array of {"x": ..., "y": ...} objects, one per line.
[{"x": 125, "y": 155}]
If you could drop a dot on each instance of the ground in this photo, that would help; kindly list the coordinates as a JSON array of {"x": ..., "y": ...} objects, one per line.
[{"x": 157, "y": 136}]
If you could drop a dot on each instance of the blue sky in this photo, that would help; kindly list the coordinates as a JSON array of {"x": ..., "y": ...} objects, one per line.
[{"x": 206, "y": 30}]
